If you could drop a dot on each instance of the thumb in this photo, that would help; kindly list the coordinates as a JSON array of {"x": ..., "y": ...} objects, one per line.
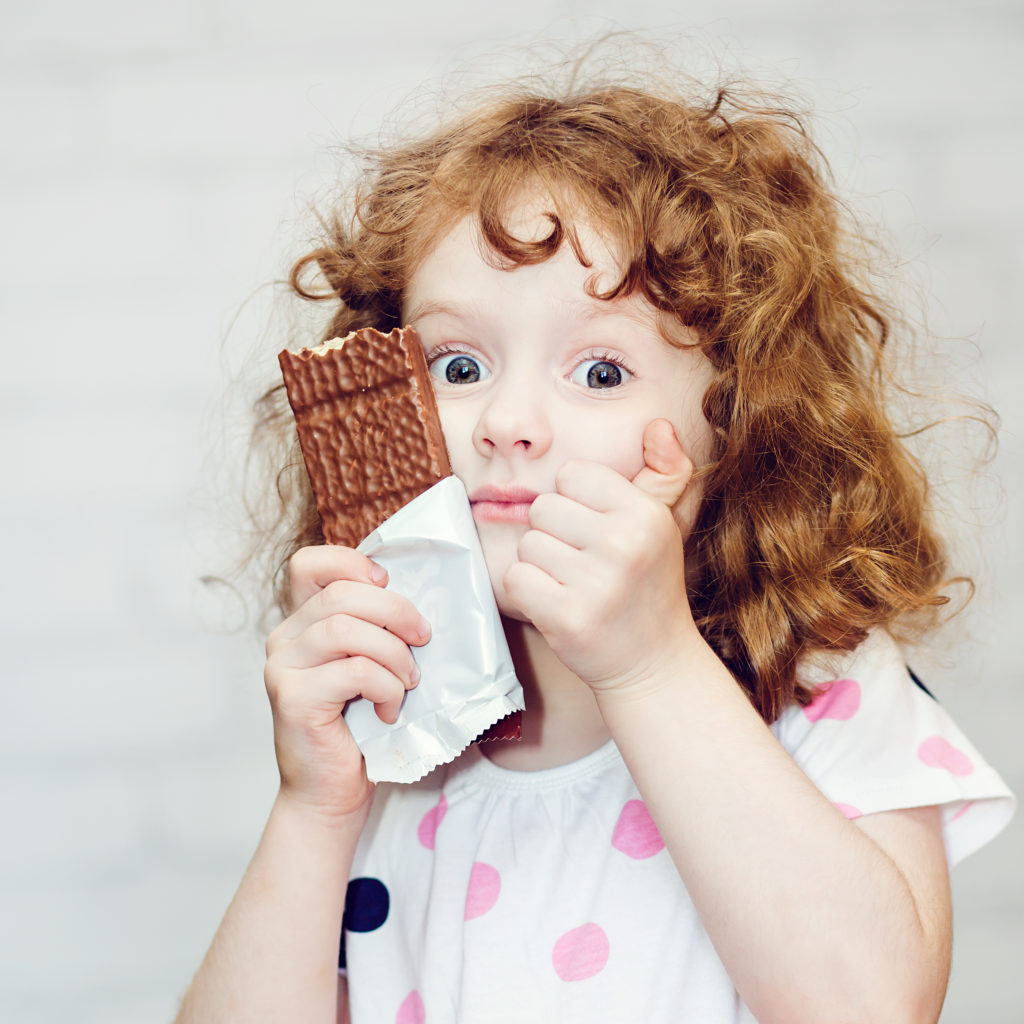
[{"x": 667, "y": 468}]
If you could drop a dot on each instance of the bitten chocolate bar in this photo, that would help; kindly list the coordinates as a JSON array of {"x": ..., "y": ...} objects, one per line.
[
  {"x": 368, "y": 427},
  {"x": 370, "y": 436}
]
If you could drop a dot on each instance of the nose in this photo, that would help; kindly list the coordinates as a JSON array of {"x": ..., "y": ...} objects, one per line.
[{"x": 514, "y": 419}]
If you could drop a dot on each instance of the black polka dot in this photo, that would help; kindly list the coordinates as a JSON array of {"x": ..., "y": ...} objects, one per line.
[
  {"x": 366, "y": 908},
  {"x": 366, "y": 905}
]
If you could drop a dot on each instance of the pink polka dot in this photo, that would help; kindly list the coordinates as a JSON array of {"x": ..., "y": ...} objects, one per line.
[
  {"x": 937, "y": 752},
  {"x": 427, "y": 830},
  {"x": 839, "y": 699},
  {"x": 411, "y": 1011},
  {"x": 848, "y": 810},
  {"x": 581, "y": 953},
  {"x": 635, "y": 833},
  {"x": 483, "y": 889}
]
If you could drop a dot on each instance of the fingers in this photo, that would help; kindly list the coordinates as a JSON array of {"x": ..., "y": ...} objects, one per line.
[
  {"x": 596, "y": 486},
  {"x": 382, "y": 608},
  {"x": 347, "y": 637},
  {"x": 596, "y": 509},
  {"x": 334, "y": 684},
  {"x": 334, "y": 660},
  {"x": 571, "y": 520},
  {"x": 548, "y": 553},
  {"x": 664, "y": 476},
  {"x": 313, "y": 568},
  {"x": 532, "y": 588},
  {"x": 667, "y": 468}
]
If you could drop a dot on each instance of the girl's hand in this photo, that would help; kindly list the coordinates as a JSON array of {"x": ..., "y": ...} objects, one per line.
[
  {"x": 348, "y": 637},
  {"x": 600, "y": 572}
]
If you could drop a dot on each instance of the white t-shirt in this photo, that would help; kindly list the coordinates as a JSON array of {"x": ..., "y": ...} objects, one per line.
[{"x": 483, "y": 895}]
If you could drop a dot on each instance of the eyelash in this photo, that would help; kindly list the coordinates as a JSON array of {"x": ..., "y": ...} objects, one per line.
[
  {"x": 604, "y": 356},
  {"x": 447, "y": 349}
]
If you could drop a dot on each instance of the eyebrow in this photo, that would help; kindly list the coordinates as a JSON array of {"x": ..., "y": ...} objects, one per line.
[
  {"x": 599, "y": 308},
  {"x": 431, "y": 308}
]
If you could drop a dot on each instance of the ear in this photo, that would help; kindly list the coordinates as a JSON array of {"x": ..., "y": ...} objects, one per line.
[{"x": 667, "y": 468}]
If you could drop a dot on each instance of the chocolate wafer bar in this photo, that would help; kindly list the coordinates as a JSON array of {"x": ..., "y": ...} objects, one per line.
[
  {"x": 370, "y": 436},
  {"x": 368, "y": 427}
]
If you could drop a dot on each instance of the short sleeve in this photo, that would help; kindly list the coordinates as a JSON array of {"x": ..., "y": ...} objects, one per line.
[{"x": 874, "y": 740}]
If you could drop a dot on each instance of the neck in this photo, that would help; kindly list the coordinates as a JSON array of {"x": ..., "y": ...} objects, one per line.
[{"x": 562, "y": 722}]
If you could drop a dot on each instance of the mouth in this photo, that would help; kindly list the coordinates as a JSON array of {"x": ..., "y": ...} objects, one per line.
[{"x": 502, "y": 504}]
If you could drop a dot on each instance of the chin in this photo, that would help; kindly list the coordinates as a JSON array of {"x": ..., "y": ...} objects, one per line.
[
  {"x": 499, "y": 554},
  {"x": 507, "y": 607}
]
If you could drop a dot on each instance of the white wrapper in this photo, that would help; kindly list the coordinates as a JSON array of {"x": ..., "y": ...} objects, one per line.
[{"x": 432, "y": 553}]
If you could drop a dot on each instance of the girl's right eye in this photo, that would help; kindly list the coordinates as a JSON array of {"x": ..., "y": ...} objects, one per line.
[{"x": 458, "y": 368}]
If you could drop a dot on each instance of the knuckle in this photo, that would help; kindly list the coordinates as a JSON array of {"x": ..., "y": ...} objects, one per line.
[
  {"x": 337, "y": 630},
  {"x": 333, "y": 595},
  {"x": 299, "y": 572},
  {"x": 619, "y": 545},
  {"x": 273, "y": 643},
  {"x": 651, "y": 514},
  {"x": 270, "y": 679},
  {"x": 277, "y": 682},
  {"x": 576, "y": 620},
  {"x": 302, "y": 562},
  {"x": 360, "y": 671}
]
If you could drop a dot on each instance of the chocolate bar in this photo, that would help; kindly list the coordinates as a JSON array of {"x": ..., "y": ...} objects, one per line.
[
  {"x": 368, "y": 427},
  {"x": 370, "y": 436}
]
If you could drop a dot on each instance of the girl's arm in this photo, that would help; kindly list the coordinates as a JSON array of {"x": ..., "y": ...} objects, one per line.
[
  {"x": 815, "y": 917},
  {"x": 275, "y": 954}
]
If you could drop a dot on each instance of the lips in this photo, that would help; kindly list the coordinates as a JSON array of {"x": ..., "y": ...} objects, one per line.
[{"x": 502, "y": 504}]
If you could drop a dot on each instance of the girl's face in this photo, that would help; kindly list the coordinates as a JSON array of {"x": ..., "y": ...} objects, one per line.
[{"x": 530, "y": 371}]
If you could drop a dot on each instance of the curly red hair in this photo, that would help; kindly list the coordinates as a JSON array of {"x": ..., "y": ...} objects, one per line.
[{"x": 813, "y": 526}]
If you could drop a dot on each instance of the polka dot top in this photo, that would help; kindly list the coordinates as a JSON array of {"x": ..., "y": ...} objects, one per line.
[{"x": 481, "y": 894}]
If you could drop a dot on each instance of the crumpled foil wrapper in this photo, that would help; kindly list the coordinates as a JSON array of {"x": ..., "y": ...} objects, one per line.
[{"x": 432, "y": 553}]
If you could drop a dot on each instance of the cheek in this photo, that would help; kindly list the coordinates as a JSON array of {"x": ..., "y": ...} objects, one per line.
[
  {"x": 695, "y": 435},
  {"x": 457, "y": 430},
  {"x": 623, "y": 451},
  {"x": 612, "y": 438}
]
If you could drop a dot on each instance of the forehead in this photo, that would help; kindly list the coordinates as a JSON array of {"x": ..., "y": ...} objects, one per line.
[
  {"x": 461, "y": 270},
  {"x": 462, "y": 277},
  {"x": 523, "y": 224}
]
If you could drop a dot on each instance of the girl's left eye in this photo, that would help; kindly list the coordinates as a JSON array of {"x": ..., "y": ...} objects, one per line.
[
  {"x": 600, "y": 374},
  {"x": 457, "y": 368}
]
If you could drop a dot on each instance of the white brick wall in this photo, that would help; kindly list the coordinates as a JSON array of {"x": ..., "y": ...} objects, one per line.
[{"x": 154, "y": 157}]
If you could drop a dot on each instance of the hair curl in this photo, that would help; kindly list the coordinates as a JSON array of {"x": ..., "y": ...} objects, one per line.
[{"x": 813, "y": 526}]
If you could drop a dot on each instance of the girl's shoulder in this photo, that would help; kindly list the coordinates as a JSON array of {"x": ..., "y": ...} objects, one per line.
[{"x": 875, "y": 739}]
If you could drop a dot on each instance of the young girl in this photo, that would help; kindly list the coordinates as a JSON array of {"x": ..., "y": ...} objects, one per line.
[{"x": 731, "y": 800}]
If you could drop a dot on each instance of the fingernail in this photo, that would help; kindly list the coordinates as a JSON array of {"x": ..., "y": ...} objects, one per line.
[
  {"x": 423, "y": 629},
  {"x": 378, "y": 573},
  {"x": 414, "y": 675}
]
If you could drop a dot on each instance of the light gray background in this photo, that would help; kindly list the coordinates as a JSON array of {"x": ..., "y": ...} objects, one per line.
[{"x": 155, "y": 159}]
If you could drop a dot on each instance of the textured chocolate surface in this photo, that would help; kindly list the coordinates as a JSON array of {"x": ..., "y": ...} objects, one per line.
[
  {"x": 368, "y": 428},
  {"x": 370, "y": 437}
]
